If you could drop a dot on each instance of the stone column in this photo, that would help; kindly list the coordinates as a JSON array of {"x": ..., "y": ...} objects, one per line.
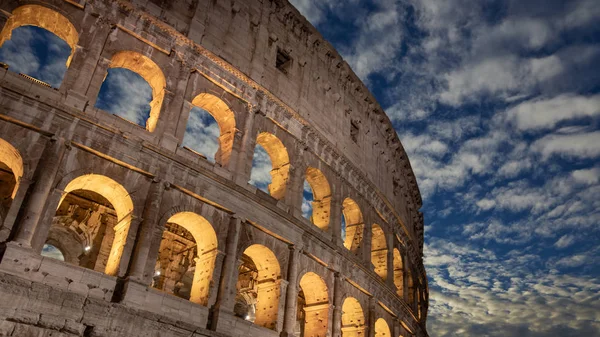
[
  {"x": 226, "y": 294},
  {"x": 390, "y": 260},
  {"x": 141, "y": 268},
  {"x": 337, "y": 305},
  {"x": 243, "y": 166},
  {"x": 372, "y": 317},
  {"x": 294, "y": 189},
  {"x": 291, "y": 296},
  {"x": 335, "y": 220},
  {"x": 34, "y": 202},
  {"x": 9, "y": 219}
]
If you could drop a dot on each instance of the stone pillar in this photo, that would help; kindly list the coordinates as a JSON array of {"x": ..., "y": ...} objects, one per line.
[
  {"x": 390, "y": 260},
  {"x": 396, "y": 329},
  {"x": 141, "y": 268},
  {"x": 337, "y": 305},
  {"x": 291, "y": 296},
  {"x": 226, "y": 294},
  {"x": 335, "y": 221},
  {"x": 243, "y": 166},
  {"x": 294, "y": 189},
  {"x": 9, "y": 220},
  {"x": 366, "y": 242},
  {"x": 34, "y": 202},
  {"x": 372, "y": 317}
]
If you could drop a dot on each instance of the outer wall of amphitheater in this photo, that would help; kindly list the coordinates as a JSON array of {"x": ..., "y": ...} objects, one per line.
[{"x": 158, "y": 241}]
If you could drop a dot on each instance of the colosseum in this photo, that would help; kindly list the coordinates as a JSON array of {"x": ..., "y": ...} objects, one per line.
[{"x": 115, "y": 228}]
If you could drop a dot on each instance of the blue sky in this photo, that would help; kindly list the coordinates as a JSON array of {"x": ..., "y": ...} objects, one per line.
[{"x": 498, "y": 106}]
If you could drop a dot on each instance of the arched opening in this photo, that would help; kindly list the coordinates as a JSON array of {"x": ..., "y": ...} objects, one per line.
[
  {"x": 123, "y": 92},
  {"x": 379, "y": 251},
  {"x": 53, "y": 252},
  {"x": 353, "y": 318},
  {"x": 258, "y": 287},
  {"x": 320, "y": 197},
  {"x": 398, "y": 273},
  {"x": 381, "y": 328},
  {"x": 11, "y": 172},
  {"x": 186, "y": 257},
  {"x": 411, "y": 289},
  {"x": 92, "y": 222},
  {"x": 211, "y": 128},
  {"x": 352, "y": 232},
  {"x": 312, "y": 318},
  {"x": 39, "y": 42},
  {"x": 280, "y": 165}
]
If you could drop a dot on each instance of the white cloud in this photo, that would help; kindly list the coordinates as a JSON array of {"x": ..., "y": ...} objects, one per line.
[
  {"x": 260, "y": 176},
  {"x": 564, "y": 241},
  {"x": 546, "y": 113},
  {"x": 587, "y": 176},
  {"x": 580, "y": 145},
  {"x": 202, "y": 133}
]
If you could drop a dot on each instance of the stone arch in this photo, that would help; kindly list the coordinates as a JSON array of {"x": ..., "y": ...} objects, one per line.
[
  {"x": 225, "y": 118},
  {"x": 205, "y": 244},
  {"x": 379, "y": 251},
  {"x": 316, "y": 308},
  {"x": 119, "y": 198},
  {"x": 353, "y": 318},
  {"x": 265, "y": 283},
  {"x": 280, "y": 161},
  {"x": 11, "y": 158},
  {"x": 321, "y": 204},
  {"x": 398, "y": 273},
  {"x": 354, "y": 224},
  {"x": 43, "y": 17},
  {"x": 151, "y": 73},
  {"x": 382, "y": 329}
]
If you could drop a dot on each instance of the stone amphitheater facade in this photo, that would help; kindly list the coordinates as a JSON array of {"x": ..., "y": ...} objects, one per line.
[{"x": 158, "y": 241}]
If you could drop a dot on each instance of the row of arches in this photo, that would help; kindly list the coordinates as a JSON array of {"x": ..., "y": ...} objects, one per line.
[{"x": 90, "y": 229}]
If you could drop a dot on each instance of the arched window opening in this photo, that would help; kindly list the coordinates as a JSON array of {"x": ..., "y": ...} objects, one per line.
[
  {"x": 379, "y": 251},
  {"x": 11, "y": 172},
  {"x": 353, "y": 318},
  {"x": 382, "y": 329},
  {"x": 279, "y": 168},
  {"x": 307, "y": 201},
  {"x": 353, "y": 227},
  {"x": 38, "y": 53},
  {"x": 313, "y": 306},
  {"x": 398, "y": 273},
  {"x": 38, "y": 42},
  {"x": 320, "y": 197},
  {"x": 52, "y": 252},
  {"x": 124, "y": 92},
  {"x": 258, "y": 287},
  {"x": 411, "y": 290},
  {"x": 210, "y": 130},
  {"x": 92, "y": 222},
  {"x": 186, "y": 257}
]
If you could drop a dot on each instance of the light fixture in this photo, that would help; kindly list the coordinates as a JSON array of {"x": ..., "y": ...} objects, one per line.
[
  {"x": 157, "y": 273},
  {"x": 87, "y": 248},
  {"x": 247, "y": 317}
]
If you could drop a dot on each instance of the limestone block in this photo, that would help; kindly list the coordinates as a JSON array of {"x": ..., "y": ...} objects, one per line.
[{"x": 6, "y": 328}]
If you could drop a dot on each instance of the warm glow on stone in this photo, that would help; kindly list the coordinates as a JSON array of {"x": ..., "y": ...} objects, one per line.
[
  {"x": 280, "y": 161},
  {"x": 353, "y": 318},
  {"x": 151, "y": 73},
  {"x": 317, "y": 305},
  {"x": 12, "y": 158},
  {"x": 354, "y": 224},
  {"x": 43, "y": 17},
  {"x": 119, "y": 198},
  {"x": 398, "y": 272},
  {"x": 225, "y": 119},
  {"x": 379, "y": 251},
  {"x": 269, "y": 285},
  {"x": 321, "y": 204},
  {"x": 382, "y": 329}
]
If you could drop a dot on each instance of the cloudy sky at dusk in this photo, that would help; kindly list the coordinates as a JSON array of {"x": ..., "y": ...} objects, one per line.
[{"x": 498, "y": 106}]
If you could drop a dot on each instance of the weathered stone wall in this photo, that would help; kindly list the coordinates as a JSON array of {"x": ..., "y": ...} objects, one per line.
[{"x": 226, "y": 49}]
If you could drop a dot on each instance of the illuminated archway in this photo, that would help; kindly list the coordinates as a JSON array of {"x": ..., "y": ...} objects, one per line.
[
  {"x": 120, "y": 201},
  {"x": 11, "y": 159},
  {"x": 259, "y": 286},
  {"x": 280, "y": 162},
  {"x": 382, "y": 329},
  {"x": 314, "y": 297},
  {"x": 379, "y": 251},
  {"x": 151, "y": 73},
  {"x": 43, "y": 17},
  {"x": 398, "y": 273},
  {"x": 225, "y": 119},
  {"x": 187, "y": 257},
  {"x": 321, "y": 203},
  {"x": 353, "y": 318},
  {"x": 354, "y": 224},
  {"x": 411, "y": 289}
]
